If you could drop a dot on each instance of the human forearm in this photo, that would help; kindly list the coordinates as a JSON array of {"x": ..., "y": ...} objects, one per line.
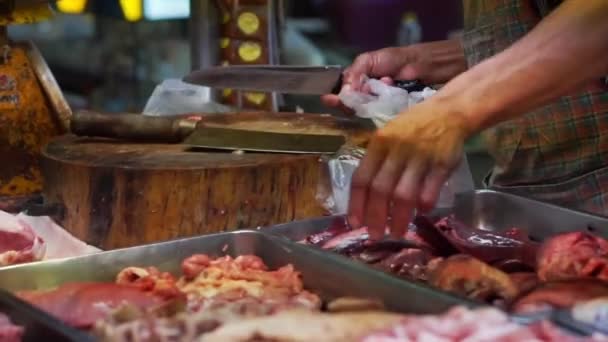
[
  {"x": 565, "y": 50},
  {"x": 446, "y": 59}
]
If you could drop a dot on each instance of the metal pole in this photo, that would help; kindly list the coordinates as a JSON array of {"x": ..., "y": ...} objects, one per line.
[
  {"x": 204, "y": 33},
  {"x": 204, "y": 36}
]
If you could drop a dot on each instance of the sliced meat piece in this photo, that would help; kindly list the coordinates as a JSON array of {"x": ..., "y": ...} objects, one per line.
[
  {"x": 150, "y": 279},
  {"x": 461, "y": 324},
  {"x": 489, "y": 247},
  {"x": 470, "y": 277},
  {"x": 427, "y": 232},
  {"x": 58, "y": 241},
  {"x": 559, "y": 295},
  {"x": 18, "y": 241},
  {"x": 409, "y": 263},
  {"x": 525, "y": 281},
  {"x": 81, "y": 304},
  {"x": 374, "y": 256},
  {"x": 347, "y": 241},
  {"x": 337, "y": 227},
  {"x": 10, "y": 332},
  {"x": 573, "y": 255}
]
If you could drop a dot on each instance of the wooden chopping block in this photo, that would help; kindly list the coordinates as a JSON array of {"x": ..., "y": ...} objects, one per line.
[{"x": 117, "y": 194}]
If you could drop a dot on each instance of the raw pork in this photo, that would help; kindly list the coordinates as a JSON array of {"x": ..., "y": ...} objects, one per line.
[
  {"x": 573, "y": 255},
  {"x": 18, "y": 241},
  {"x": 9, "y": 332},
  {"x": 82, "y": 304}
]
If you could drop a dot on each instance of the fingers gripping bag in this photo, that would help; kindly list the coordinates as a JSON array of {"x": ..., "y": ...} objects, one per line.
[{"x": 381, "y": 105}]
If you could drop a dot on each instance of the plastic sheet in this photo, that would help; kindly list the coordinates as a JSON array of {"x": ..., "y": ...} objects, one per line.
[
  {"x": 382, "y": 104},
  {"x": 174, "y": 97}
]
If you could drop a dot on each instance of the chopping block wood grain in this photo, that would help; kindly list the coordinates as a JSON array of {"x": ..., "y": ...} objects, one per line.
[{"x": 117, "y": 194}]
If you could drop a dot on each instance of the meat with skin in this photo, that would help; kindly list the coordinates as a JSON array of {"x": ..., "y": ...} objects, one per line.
[
  {"x": 82, "y": 304},
  {"x": 337, "y": 227},
  {"x": 573, "y": 255},
  {"x": 409, "y": 263},
  {"x": 10, "y": 332},
  {"x": 461, "y": 324},
  {"x": 559, "y": 295},
  {"x": 345, "y": 241},
  {"x": 304, "y": 326},
  {"x": 59, "y": 243},
  {"x": 422, "y": 234},
  {"x": 470, "y": 277},
  {"x": 487, "y": 246},
  {"x": 18, "y": 241}
]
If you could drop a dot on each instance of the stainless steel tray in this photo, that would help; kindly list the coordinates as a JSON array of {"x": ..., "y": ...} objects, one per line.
[
  {"x": 487, "y": 210},
  {"x": 328, "y": 275},
  {"x": 492, "y": 211},
  {"x": 38, "y": 325}
]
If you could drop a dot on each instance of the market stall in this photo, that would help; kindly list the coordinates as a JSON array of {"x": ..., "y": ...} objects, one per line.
[{"x": 230, "y": 226}]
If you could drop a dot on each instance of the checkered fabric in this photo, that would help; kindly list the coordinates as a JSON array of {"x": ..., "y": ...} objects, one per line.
[{"x": 557, "y": 153}]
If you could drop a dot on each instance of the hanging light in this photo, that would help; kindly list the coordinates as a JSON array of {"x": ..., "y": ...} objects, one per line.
[
  {"x": 71, "y": 6},
  {"x": 132, "y": 9}
]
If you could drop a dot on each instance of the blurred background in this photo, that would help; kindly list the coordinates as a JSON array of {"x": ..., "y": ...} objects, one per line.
[{"x": 109, "y": 55}]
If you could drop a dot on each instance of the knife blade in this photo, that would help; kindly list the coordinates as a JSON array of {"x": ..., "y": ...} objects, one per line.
[
  {"x": 141, "y": 128},
  {"x": 310, "y": 80},
  {"x": 262, "y": 141}
]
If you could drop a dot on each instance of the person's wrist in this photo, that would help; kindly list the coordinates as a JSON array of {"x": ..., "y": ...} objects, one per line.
[{"x": 459, "y": 110}]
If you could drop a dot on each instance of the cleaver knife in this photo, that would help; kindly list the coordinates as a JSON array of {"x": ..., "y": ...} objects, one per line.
[
  {"x": 141, "y": 128},
  {"x": 310, "y": 80}
]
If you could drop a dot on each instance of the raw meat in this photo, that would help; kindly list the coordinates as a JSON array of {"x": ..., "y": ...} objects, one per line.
[
  {"x": 9, "y": 332},
  {"x": 559, "y": 295},
  {"x": 461, "y": 324},
  {"x": 409, "y": 263},
  {"x": 26, "y": 238},
  {"x": 337, "y": 227},
  {"x": 524, "y": 281},
  {"x": 470, "y": 277},
  {"x": 487, "y": 246},
  {"x": 59, "y": 243},
  {"x": 82, "y": 304},
  {"x": 303, "y": 326},
  {"x": 18, "y": 242},
  {"x": 150, "y": 279},
  {"x": 573, "y": 255},
  {"x": 458, "y": 324},
  {"x": 208, "y": 280}
]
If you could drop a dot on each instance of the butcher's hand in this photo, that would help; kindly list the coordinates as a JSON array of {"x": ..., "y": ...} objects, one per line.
[
  {"x": 405, "y": 166},
  {"x": 432, "y": 63}
]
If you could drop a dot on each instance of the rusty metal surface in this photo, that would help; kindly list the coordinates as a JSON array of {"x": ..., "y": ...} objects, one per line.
[{"x": 27, "y": 122}]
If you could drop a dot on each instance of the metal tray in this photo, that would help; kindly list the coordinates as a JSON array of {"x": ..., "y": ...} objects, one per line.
[
  {"x": 493, "y": 211},
  {"x": 328, "y": 275},
  {"x": 487, "y": 210},
  {"x": 38, "y": 325}
]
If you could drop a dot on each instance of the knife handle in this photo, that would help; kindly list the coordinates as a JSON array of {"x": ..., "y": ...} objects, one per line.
[
  {"x": 409, "y": 86},
  {"x": 136, "y": 127}
]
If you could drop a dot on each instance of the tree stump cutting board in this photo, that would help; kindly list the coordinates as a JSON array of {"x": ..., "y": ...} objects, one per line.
[{"x": 118, "y": 194}]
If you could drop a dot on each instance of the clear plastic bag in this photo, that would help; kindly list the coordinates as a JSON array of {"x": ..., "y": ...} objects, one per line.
[
  {"x": 174, "y": 97},
  {"x": 382, "y": 105}
]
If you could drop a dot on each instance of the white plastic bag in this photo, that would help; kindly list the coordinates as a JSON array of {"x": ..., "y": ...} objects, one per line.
[
  {"x": 174, "y": 97},
  {"x": 381, "y": 106}
]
